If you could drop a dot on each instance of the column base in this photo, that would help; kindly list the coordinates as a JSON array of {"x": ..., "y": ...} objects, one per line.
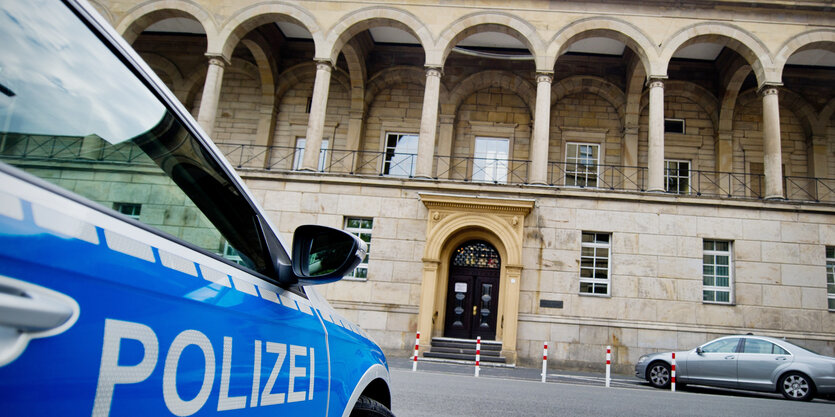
[{"x": 775, "y": 197}]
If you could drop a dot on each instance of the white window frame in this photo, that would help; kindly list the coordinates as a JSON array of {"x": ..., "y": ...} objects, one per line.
[
  {"x": 132, "y": 210},
  {"x": 830, "y": 277},
  {"x": 577, "y": 160},
  {"x": 298, "y": 156},
  {"x": 399, "y": 161},
  {"x": 678, "y": 178},
  {"x": 359, "y": 232},
  {"x": 596, "y": 246},
  {"x": 714, "y": 253},
  {"x": 495, "y": 168}
]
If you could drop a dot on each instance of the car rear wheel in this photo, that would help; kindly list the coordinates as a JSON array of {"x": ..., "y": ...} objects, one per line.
[
  {"x": 658, "y": 374},
  {"x": 796, "y": 386},
  {"x": 367, "y": 407}
]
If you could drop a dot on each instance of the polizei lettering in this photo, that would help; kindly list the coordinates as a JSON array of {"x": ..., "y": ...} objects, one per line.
[{"x": 289, "y": 366}]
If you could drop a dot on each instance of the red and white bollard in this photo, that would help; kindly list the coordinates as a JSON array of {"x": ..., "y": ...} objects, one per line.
[
  {"x": 544, "y": 361},
  {"x": 477, "y": 355},
  {"x": 673, "y": 374},
  {"x": 414, "y": 359},
  {"x": 608, "y": 365}
]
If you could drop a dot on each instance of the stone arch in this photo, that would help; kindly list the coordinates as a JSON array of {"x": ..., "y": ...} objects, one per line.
[
  {"x": 593, "y": 85},
  {"x": 306, "y": 71},
  {"x": 693, "y": 92},
  {"x": 266, "y": 75},
  {"x": 143, "y": 15},
  {"x": 813, "y": 39},
  {"x": 500, "y": 234},
  {"x": 493, "y": 22},
  {"x": 251, "y": 17},
  {"x": 398, "y": 74},
  {"x": 493, "y": 78},
  {"x": 740, "y": 40},
  {"x": 193, "y": 85},
  {"x": 825, "y": 115},
  {"x": 104, "y": 11},
  {"x": 736, "y": 75},
  {"x": 162, "y": 65},
  {"x": 357, "y": 71},
  {"x": 606, "y": 27},
  {"x": 363, "y": 19}
]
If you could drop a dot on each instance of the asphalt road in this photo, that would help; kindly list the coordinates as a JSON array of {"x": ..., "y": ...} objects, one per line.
[{"x": 451, "y": 390}]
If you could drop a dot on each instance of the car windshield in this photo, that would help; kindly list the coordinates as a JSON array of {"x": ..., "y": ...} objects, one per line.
[{"x": 72, "y": 113}]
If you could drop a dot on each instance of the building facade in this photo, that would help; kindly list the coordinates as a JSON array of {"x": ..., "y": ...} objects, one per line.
[{"x": 645, "y": 175}]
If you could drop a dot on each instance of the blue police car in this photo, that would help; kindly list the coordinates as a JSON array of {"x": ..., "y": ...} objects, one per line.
[{"x": 138, "y": 276}]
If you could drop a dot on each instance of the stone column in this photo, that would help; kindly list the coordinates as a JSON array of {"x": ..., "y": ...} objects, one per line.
[
  {"x": 211, "y": 93},
  {"x": 510, "y": 319},
  {"x": 629, "y": 159},
  {"x": 355, "y": 129},
  {"x": 772, "y": 156},
  {"x": 655, "y": 162},
  {"x": 445, "y": 140},
  {"x": 817, "y": 157},
  {"x": 541, "y": 130},
  {"x": 316, "y": 120},
  {"x": 428, "y": 123},
  {"x": 426, "y": 308}
]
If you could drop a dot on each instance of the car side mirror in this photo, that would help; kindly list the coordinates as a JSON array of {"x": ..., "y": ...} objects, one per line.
[
  {"x": 324, "y": 254},
  {"x": 699, "y": 350}
]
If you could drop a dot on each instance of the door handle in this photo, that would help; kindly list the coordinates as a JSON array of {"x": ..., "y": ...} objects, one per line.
[
  {"x": 780, "y": 358},
  {"x": 729, "y": 357},
  {"x": 474, "y": 309},
  {"x": 29, "y": 312}
]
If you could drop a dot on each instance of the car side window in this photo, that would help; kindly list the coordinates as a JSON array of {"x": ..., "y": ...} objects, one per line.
[
  {"x": 72, "y": 113},
  {"x": 758, "y": 346},
  {"x": 722, "y": 346}
]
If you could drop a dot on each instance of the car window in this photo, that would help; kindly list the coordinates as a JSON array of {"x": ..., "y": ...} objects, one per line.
[
  {"x": 72, "y": 113},
  {"x": 762, "y": 346},
  {"x": 722, "y": 346}
]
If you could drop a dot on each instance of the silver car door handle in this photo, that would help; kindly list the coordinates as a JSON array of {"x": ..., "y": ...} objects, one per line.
[
  {"x": 30, "y": 312},
  {"x": 780, "y": 358},
  {"x": 729, "y": 357}
]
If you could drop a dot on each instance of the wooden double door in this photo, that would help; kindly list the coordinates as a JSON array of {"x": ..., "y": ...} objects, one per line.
[{"x": 472, "y": 295}]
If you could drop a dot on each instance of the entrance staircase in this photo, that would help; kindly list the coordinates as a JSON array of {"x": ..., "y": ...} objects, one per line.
[{"x": 446, "y": 348}]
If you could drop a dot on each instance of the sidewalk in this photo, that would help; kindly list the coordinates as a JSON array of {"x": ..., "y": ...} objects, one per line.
[{"x": 530, "y": 374}]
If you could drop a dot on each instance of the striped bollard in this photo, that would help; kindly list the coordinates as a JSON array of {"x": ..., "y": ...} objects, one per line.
[
  {"x": 417, "y": 344},
  {"x": 477, "y": 355},
  {"x": 608, "y": 365},
  {"x": 673, "y": 374},
  {"x": 544, "y": 361}
]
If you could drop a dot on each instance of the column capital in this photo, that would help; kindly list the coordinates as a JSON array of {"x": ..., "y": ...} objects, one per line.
[
  {"x": 433, "y": 71},
  {"x": 631, "y": 130},
  {"x": 544, "y": 77},
  {"x": 446, "y": 118},
  {"x": 656, "y": 81},
  {"x": 218, "y": 60},
  {"x": 323, "y": 64},
  {"x": 769, "y": 89}
]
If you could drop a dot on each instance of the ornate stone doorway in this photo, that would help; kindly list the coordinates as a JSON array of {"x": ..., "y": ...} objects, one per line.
[
  {"x": 473, "y": 291},
  {"x": 455, "y": 222}
]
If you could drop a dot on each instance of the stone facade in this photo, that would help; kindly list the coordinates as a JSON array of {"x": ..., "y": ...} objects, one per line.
[{"x": 758, "y": 137}]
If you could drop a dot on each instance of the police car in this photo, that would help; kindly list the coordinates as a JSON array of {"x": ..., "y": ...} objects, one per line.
[{"x": 137, "y": 274}]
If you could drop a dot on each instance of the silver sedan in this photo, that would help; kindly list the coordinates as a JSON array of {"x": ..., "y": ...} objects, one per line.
[{"x": 745, "y": 362}]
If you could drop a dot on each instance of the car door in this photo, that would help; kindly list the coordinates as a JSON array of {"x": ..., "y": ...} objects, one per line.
[
  {"x": 758, "y": 362},
  {"x": 115, "y": 311},
  {"x": 715, "y": 364}
]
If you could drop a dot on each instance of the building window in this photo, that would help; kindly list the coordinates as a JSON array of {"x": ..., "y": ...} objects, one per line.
[
  {"x": 299, "y": 157},
  {"x": 128, "y": 209},
  {"x": 581, "y": 164},
  {"x": 677, "y": 176},
  {"x": 361, "y": 228},
  {"x": 830, "y": 277},
  {"x": 490, "y": 160},
  {"x": 717, "y": 276},
  {"x": 401, "y": 154},
  {"x": 594, "y": 263},
  {"x": 674, "y": 126}
]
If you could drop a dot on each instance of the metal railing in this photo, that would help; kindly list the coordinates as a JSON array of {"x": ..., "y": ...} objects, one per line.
[{"x": 446, "y": 168}]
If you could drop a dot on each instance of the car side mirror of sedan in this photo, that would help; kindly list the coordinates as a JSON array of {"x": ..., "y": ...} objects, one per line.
[
  {"x": 324, "y": 254},
  {"x": 699, "y": 350}
]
